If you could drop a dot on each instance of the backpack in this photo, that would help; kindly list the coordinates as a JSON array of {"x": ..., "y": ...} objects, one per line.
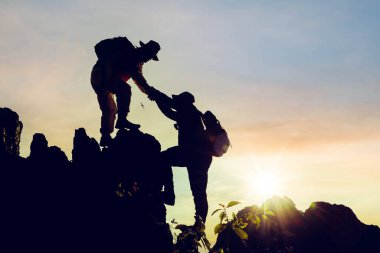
[
  {"x": 112, "y": 49},
  {"x": 216, "y": 135}
]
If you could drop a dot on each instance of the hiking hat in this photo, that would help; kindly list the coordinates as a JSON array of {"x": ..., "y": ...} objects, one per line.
[
  {"x": 185, "y": 97},
  {"x": 152, "y": 47}
]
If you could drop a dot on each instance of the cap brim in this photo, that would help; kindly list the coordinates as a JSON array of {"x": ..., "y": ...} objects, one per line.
[{"x": 155, "y": 58}]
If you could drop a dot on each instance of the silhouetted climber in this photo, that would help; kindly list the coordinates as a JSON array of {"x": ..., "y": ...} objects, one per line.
[
  {"x": 192, "y": 150},
  {"x": 118, "y": 61}
]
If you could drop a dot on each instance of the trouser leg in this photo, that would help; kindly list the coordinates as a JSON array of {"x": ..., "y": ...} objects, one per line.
[
  {"x": 174, "y": 157},
  {"x": 198, "y": 177},
  {"x": 100, "y": 77},
  {"x": 123, "y": 98},
  {"x": 108, "y": 107},
  {"x": 198, "y": 184},
  {"x": 197, "y": 168}
]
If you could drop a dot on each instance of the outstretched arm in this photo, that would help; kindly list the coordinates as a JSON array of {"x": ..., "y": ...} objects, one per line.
[
  {"x": 167, "y": 111},
  {"x": 164, "y": 103},
  {"x": 139, "y": 79},
  {"x": 160, "y": 97}
]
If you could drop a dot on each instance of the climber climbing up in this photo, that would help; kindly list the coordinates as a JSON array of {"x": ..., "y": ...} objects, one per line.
[{"x": 118, "y": 61}]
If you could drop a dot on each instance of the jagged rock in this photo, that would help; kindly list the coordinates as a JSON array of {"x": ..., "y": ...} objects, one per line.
[
  {"x": 109, "y": 200},
  {"x": 45, "y": 157},
  {"x": 58, "y": 157},
  {"x": 39, "y": 149},
  {"x": 129, "y": 189},
  {"x": 3, "y": 148},
  {"x": 337, "y": 227},
  {"x": 112, "y": 200},
  {"x": 86, "y": 150},
  {"x": 136, "y": 160},
  {"x": 285, "y": 210},
  {"x": 11, "y": 128}
]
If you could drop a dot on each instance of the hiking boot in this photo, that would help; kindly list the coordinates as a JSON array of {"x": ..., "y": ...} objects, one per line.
[
  {"x": 124, "y": 123},
  {"x": 105, "y": 140},
  {"x": 198, "y": 221}
]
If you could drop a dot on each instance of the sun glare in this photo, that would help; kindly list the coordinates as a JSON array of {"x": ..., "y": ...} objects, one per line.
[
  {"x": 266, "y": 184},
  {"x": 263, "y": 177}
]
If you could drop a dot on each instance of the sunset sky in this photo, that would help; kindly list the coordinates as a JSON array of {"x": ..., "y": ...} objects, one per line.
[{"x": 295, "y": 83}]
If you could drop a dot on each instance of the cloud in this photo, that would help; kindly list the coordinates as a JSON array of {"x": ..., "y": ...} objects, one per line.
[{"x": 303, "y": 134}]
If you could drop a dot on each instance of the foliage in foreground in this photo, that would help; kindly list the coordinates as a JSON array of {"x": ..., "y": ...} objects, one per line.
[
  {"x": 237, "y": 224},
  {"x": 191, "y": 238}
]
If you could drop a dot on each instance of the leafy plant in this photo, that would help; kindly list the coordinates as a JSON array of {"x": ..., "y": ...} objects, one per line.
[
  {"x": 191, "y": 237},
  {"x": 237, "y": 224}
]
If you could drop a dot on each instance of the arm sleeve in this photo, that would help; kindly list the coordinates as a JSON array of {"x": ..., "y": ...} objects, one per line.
[
  {"x": 167, "y": 111},
  {"x": 139, "y": 79},
  {"x": 161, "y": 98}
]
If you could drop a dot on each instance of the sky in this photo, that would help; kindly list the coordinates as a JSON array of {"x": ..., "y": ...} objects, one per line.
[{"x": 296, "y": 84}]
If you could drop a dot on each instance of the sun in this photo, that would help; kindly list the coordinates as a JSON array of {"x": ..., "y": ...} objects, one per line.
[{"x": 266, "y": 183}]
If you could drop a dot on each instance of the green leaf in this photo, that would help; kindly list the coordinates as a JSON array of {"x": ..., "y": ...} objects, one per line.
[
  {"x": 233, "y": 203},
  {"x": 217, "y": 210},
  {"x": 243, "y": 225},
  {"x": 248, "y": 216},
  {"x": 241, "y": 233},
  {"x": 219, "y": 228},
  {"x": 258, "y": 220},
  {"x": 234, "y": 216},
  {"x": 255, "y": 220},
  {"x": 270, "y": 213}
]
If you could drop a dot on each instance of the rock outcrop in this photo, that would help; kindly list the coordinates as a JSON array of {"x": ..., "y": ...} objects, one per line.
[
  {"x": 11, "y": 128},
  {"x": 113, "y": 200},
  {"x": 323, "y": 227},
  {"x": 108, "y": 200}
]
